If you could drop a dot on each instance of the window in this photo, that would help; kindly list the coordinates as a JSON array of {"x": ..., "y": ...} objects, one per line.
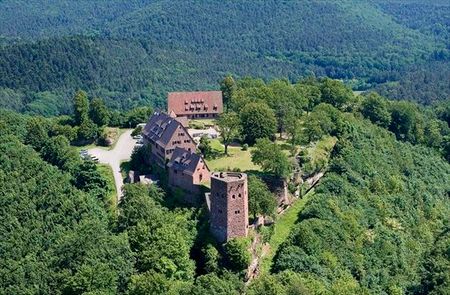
[
  {"x": 240, "y": 196},
  {"x": 200, "y": 177},
  {"x": 234, "y": 196},
  {"x": 237, "y": 212},
  {"x": 220, "y": 211}
]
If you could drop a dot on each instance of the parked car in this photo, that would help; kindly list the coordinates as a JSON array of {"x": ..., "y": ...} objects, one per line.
[{"x": 137, "y": 137}]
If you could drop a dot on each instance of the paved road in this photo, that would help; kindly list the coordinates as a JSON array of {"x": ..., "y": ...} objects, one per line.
[{"x": 121, "y": 152}]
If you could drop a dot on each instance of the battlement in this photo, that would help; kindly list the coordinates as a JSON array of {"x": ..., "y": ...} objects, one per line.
[{"x": 229, "y": 176}]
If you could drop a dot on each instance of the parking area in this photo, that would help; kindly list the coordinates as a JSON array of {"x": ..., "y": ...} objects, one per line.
[{"x": 121, "y": 152}]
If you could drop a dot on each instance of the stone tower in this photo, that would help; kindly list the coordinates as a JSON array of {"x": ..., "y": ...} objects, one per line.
[{"x": 229, "y": 205}]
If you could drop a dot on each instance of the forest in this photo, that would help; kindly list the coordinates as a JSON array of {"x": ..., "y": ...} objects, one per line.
[
  {"x": 355, "y": 90},
  {"x": 133, "y": 53},
  {"x": 377, "y": 223}
]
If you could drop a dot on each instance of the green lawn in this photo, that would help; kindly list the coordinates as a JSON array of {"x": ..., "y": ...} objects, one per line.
[
  {"x": 282, "y": 228},
  {"x": 237, "y": 158},
  {"x": 321, "y": 149},
  {"x": 107, "y": 172}
]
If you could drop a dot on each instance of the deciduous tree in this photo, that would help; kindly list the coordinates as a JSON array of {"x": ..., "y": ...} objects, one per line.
[
  {"x": 258, "y": 121},
  {"x": 229, "y": 128},
  {"x": 99, "y": 113},
  {"x": 260, "y": 199},
  {"x": 81, "y": 107},
  {"x": 375, "y": 108},
  {"x": 228, "y": 87},
  {"x": 271, "y": 158}
]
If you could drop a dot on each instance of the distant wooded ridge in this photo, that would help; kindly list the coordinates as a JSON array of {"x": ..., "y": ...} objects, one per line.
[{"x": 133, "y": 53}]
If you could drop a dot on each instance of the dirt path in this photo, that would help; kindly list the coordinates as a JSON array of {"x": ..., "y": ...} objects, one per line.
[{"x": 121, "y": 152}]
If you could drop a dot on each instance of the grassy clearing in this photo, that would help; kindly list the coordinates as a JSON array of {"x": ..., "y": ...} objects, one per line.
[
  {"x": 107, "y": 172},
  {"x": 237, "y": 159},
  {"x": 320, "y": 151},
  {"x": 282, "y": 228}
]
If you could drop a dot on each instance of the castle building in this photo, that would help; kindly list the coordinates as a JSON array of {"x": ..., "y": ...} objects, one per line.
[
  {"x": 228, "y": 205},
  {"x": 195, "y": 105},
  {"x": 187, "y": 171},
  {"x": 164, "y": 133}
]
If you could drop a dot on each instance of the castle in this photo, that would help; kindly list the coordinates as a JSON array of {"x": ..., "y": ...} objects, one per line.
[{"x": 174, "y": 149}]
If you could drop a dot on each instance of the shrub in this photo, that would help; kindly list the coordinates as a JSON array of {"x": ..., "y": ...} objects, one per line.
[
  {"x": 238, "y": 254},
  {"x": 137, "y": 131}
]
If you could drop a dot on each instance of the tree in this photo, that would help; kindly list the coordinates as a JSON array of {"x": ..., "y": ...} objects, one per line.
[
  {"x": 81, "y": 107},
  {"x": 228, "y": 87},
  {"x": 87, "y": 131},
  {"x": 310, "y": 89},
  {"x": 160, "y": 239},
  {"x": 212, "y": 257},
  {"x": 406, "y": 122},
  {"x": 205, "y": 146},
  {"x": 260, "y": 199},
  {"x": 266, "y": 285},
  {"x": 153, "y": 283},
  {"x": 286, "y": 102},
  {"x": 99, "y": 113},
  {"x": 295, "y": 132},
  {"x": 229, "y": 128},
  {"x": 36, "y": 135},
  {"x": 375, "y": 108},
  {"x": 446, "y": 148},
  {"x": 271, "y": 158},
  {"x": 237, "y": 251},
  {"x": 57, "y": 151},
  {"x": 258, "y": 121},
  {"x": 89, "y": 179},
  {"x": 137, "y": 116},
  {"x": 227, "y": 284},
  {"x": 336, "y": 93},
  {"x": 140, "y": 158},
  {"x": 323, "y": 120}
]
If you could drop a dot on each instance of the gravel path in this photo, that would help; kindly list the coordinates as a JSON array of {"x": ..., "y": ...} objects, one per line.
[{"x": 121, "y": 152}]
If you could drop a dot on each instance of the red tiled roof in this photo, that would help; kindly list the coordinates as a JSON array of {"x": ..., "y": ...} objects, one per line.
[{"x": 187, "y": 103}]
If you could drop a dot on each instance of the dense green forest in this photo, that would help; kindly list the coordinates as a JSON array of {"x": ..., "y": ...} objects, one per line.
[
  {"x": 132, "y": 53},
  {"x": 377, "y": 223},
  {"x": 375, "y": 218}
]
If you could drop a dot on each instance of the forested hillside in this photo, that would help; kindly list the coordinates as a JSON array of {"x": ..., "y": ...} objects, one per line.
[
  {"x": 377, "y": 223},
  {"x": 132, "y": 53},
  {"x": 375, "y": 219}
]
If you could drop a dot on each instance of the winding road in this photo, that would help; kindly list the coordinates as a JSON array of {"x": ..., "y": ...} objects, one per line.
[{"x": 121, "y": 152}]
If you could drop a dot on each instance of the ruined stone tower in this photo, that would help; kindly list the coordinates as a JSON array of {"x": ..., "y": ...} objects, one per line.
[{"x": 228, "y": 203}]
